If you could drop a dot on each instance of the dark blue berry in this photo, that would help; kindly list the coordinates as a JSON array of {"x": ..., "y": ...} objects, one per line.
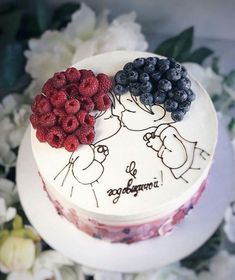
[
  {"x": 128, "y": 67},
  {"x": 121, "y": 78},
  {"x": 172, "y": 61},
  {"x": 170, "y": 105},
  {"x": 146, "y": 87},
  {"x": 170, "y": 94},
  {"x": 163, "y": 64},
  {"x": 159, "y": 97},
  {"x": 146, "y": 98},
  {"x": 183, "y": 72},
  {"x": 149, "y": 68},
  {"x": 164, "y": 85},
  {"x": 132, "y": 76},
  {"x": 176, "y": 65},
  {"x": 144, "y": 77},
  {"x": 184, "y": 106},
  {"x": 183, "y": 83},
  {"x": 173, "y": 74},
  {"x": 177, "y": 115},
  {"x": 180, "y": 95},
  {"x": 156, "y": 76},
  {"x": 138, "y": 62},
  {"x": 191, "y": 95},
  {"x": 119, "y": 89},
  {"x": 134, "y": 89},
  {"x": 151, "y": 60}
]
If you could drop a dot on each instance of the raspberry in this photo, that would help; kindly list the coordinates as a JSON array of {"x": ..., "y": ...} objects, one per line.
[
  {"x": 105, "y": 82},
  {"x": 102, "y": 101},
  {"x": 86, "y": 73},
  {"x": 34, "y": 121},
  {"x": 86, "y": 103},
  {"x": 85, "y": 134},
  {"x": 47, "y": 120},
  {"x": 37, "y": 99},
  {"x": 72, "y": 90},
  {"x": 71, "y": 143},
  {"x": 84, "y": 118},
  {"x": 88, "y": 86},
  {"x": 56, "y": 137},
  {"x": 72, "y": 74},
  {"x": 58, "y": 80},
  {"x": 90, "y": 120},
  {"x": 48, "y": 88},
  {"x": 72, "y": 106},
  {"x": 58, "y": 100},
  {"x": 41, "y": 134},
  {"x": 69, "y": 123},
  {"x": 60, "y": 114},
  {"x": 44, "y": 106}
]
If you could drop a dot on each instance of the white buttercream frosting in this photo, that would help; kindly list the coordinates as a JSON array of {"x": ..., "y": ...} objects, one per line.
[{"x": 141, "y": 164}]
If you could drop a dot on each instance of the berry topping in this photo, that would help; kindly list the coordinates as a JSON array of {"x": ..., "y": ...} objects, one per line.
[
  {"x": 47, "y": 120},
  {"x": 72, "y": 106},
  {"x": 56, "y": 137},
  {"x": 164, "y": 85},
  {"x": 177, "y": 115},
  {"x": 151, "y": 60},
  {"x": 138, "y": 62},
  {"x": 163, "y": 65},
  {"x": 121, "y": 78},
  {"x": 86, "y": 103},
  {"x": 81, "y": 116},
  {"x": 85, "y": 134},
  {"x": 88, "y": 86},
  {"x": 146, "y": 87},
  {"x": 173, "y": 74},
  {"x": 128, "y": 67},
  {"x": 41, "y": 134},
  {"x": 149, "y": 68},
  {"x": 71, "y": 90},
  {"x": 102, "y": 101},
  {"x": 156, "y": 76},
  {"x": 119, "y": 89},
  {"x": 134, "y": 89},
  {"x": 72, "y": 75},
  {"x": 69, "y": 123},
  {"x": 170, "y": 105},
  {"x": 180, "y": 95},
  {"x": 71, "y": 143},
  {"x": 105, "y": 82},
  {"x": 146, "y": 98},
  {"x": 144, "y": 77},
  {"x": 60, "y": 114},
  {"x": 132, "y": 76},
  {"x": 34, "y": 119},
  {"x": 159, "y": 97},
  {"x": 86, "y": 73},
  {"x": 48, "y": 88},
  {"x": 191, "y": 95},
  {"x": 183, "y": 83},
  {"x": 44, "y": 106},
  {"x": 58, "y": 80},
  {"x": 58, "y": 100}
]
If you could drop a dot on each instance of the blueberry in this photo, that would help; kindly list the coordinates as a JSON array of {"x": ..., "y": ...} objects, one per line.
[
  {"x": 134, "y": 89},
  {"x": 159, "y": 97},
  {"x": 170, "y": 105},
  {"x": 144, "y": 77},
  {"x": 172, "y": 61},
  {"x": 132, "y": 76},
  {"x": 183, "y": 83},
  {"x": 191, "y": 95},
  {"x": 146, "y": 87},
  {"x": 149, "y": 68},
  {"x": 184, "y": 106},
  {"x": 119, "y": 89},
  {"x": 151, "y": 60},
  {"x": 183, "y": 72},
  {"x": 156, "y": 76},
  {"x": 176, "y": 65},
  {"x": 138, "y": 62},
  {"x": 128, "y": 67},
  {"x": 180, "y": 95},
  {"x": 121, "y": 78},
  {"x": 146, "y": 98},
  {"x": 177, "y": 115},
  {"x": 170, "y": 94},
  {"x": 163, "y": 65},
  {"x": 164, "y": 85},
  {"x": 173, "y": 74}
]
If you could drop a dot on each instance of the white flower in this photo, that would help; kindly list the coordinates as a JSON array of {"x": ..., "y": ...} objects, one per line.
[
  {"x": 8, "y": 191},
  {"x": 17, "y": 254},
  {"x": 229, "y": 226},
  {"x": 212, "y": 82},
  {"x": 6, "y": 214},
  {"x": 222, "y": 267}
]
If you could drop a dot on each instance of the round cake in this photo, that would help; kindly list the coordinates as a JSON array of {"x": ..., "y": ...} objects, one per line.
[{"x": 142, "y": 173}]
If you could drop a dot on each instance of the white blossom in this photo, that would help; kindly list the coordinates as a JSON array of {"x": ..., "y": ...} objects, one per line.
[
  {"x": 8, "y": 191},
  {"x": 6, "y": 213}
]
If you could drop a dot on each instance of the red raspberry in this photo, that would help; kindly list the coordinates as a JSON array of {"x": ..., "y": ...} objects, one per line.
[
  {"x": 84, "y": 118},
  {"x": 34, "y": 119},
  {"x": 58, "y": 100},
  {"x": 56, "y": 137},
  {"x": 90, "y": 120},
  {"x": 86, "y": 73},
  {"x": 105, "y": 83},
  {"x": 72, "y": 75},
  {"x": 58, "y": 80},
  {"x": 85, "y": 134},
  {"x": 88, "y": 86},
  {"x": 41, "y": 134},
  {"x": 34, "y": 106},
  {"x": 102, "y": 101},
  {"x": 60, "y": 114},
  {"x": 72, "y": 90},
  {"x": 86, "y": 103},
  {"x": 47, "y": 120},
  {"x": 48, "y": 88},
  {"x": 69, "y": 123},
  {"x": 71, "y": 143},
  {"x": 44, "y": 106},
  {"x": 72, "y": 106}
]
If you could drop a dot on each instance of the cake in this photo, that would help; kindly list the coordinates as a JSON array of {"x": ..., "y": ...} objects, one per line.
[{"x": 143, "y": 171}]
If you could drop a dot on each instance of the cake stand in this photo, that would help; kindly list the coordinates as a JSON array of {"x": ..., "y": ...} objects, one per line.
[{"x": 190, "y": 234}]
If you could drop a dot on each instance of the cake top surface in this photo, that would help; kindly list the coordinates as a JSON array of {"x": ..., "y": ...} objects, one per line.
[{"x": 141, "y": 163}]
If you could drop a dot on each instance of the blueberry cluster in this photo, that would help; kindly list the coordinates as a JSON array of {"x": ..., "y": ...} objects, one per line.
[{"x": 157, "y": 81}]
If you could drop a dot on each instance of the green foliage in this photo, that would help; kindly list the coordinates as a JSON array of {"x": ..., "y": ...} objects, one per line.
[{"x": 180, "y": 47}]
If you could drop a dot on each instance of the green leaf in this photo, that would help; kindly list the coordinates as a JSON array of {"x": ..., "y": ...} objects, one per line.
[
  {"x": 231, "y": 125},
  {"x": 44, "y": 14},
  {"x": 17, "y": 223},
  {"x": 62, "y": 15},
  {"x": 199, "y": 55},
  {"x": 229, "y": 79},
  {"x": 166, "y": 48},
  {"x": 215, "y": 64}
]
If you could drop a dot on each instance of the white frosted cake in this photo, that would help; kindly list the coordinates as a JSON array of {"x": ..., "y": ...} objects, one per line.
[{"x": 142, "y": 172}]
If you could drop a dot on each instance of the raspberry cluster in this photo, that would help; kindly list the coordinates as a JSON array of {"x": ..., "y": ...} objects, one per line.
[{"x": 61, "y": 114}]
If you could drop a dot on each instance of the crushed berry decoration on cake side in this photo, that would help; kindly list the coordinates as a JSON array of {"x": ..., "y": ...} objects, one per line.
[
  {"x": 61, "y": 113},
  {"x": 157, "y": 81}
]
